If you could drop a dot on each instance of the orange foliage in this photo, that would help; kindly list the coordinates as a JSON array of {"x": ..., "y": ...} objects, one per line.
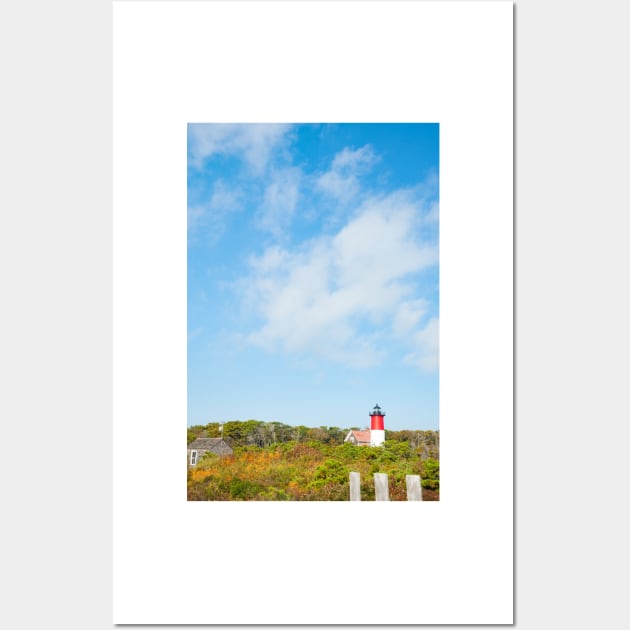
[{"x": 298, "y": 472}]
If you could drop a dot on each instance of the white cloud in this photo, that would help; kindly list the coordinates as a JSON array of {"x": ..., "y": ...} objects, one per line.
[
  {"x": 224, "y": 199},
  {"x": 207, "y": 222},
  {"x": 356, "y": 160},
  {"x": 341, "y": 187},
  {"x": 433, "y": 213},
  {"x": 425, "y": 343},
  {"x": 280, "y": 200},
  {"x": 255, "y": 143},
  {"x": 336, "y": 295},
  {"x": 342, "y": 181},
  {"x": 408, "y": 316},
  {"x": 381, "y": 242},
  {"x": 195, "y": 217}
]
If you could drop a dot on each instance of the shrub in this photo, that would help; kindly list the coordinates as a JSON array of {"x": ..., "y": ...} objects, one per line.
[
  {"x": 431, "y": 474},
  {"x": 243, "y": 489}
]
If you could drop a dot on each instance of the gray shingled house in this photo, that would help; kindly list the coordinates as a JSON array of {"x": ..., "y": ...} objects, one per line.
[{"x": 202, "y": 445}]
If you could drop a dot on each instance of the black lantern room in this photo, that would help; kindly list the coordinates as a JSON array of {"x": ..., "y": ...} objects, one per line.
[{"x": 377, "y": 411}]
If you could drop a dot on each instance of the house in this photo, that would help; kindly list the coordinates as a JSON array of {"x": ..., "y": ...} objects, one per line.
[
  {"x": 203, "y": 445},
  {"x": 360, "y": 438}
]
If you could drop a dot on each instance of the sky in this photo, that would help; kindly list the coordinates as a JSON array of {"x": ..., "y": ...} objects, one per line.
[{"x": 313, "y": 273}]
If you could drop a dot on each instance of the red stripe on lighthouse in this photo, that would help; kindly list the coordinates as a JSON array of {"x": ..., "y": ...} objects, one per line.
[{"x": 377, "y": 423}]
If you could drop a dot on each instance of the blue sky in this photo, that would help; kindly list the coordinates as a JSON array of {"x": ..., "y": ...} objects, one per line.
[{"x": 313, "y": 273}]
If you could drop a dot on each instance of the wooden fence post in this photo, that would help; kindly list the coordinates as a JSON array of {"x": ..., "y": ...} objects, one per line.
[
  {"x": 355, "y": 486},
  {"x": 414, "y": 488},
  {"x": 380, "y": 487}
]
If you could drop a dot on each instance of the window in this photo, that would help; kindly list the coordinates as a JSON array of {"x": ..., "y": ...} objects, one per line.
[{"x": 193, "y": 458}]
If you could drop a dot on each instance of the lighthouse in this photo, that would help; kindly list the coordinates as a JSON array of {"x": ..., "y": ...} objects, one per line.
[{"x": 377, "y": 433}]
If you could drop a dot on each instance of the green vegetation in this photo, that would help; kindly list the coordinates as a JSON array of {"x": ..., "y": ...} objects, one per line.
[
  {"x": 257, "y": 433},
  {"x": 277, "y": 462}
]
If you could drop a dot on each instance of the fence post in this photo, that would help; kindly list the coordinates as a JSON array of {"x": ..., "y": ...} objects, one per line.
[
  {"x": 414, "y": 488},
  {"x": 355, "y": 486},
  {"x": 380, "y": 487}
]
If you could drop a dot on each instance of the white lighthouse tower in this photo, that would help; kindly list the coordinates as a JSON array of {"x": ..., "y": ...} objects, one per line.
[{"x": 377, "y": 432}]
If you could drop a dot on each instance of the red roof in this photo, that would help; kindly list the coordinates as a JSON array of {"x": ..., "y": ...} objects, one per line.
[{"x": 362, "y": 436}]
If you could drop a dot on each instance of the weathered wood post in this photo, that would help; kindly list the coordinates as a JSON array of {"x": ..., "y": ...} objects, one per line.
[
  {"x": 414, "y": 488},
  {"x": 355, "y": 486},
  {"x": 380, "y": 487}
]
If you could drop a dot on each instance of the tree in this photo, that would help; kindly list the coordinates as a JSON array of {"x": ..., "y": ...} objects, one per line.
[{"x": 431, "y": 474}]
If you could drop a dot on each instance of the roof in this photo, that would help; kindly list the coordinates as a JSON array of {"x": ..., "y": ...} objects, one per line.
[
  {"x": 209, "y": 444},
  {"x": 361, "y": 436}
]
